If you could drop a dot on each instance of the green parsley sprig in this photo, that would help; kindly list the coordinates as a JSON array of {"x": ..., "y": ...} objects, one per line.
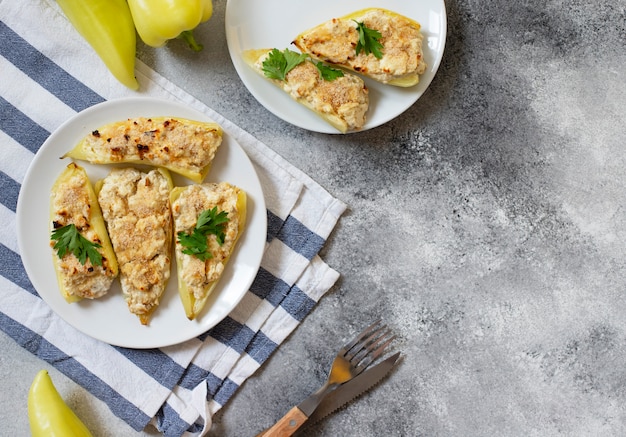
[
  {"x": 278, "y": 63},
  {"x": 328, "y": 73},
  {"x": 210, "y": 222},
  {"x": 368, "y": 40},
  {"x": 69, "y": 240}
]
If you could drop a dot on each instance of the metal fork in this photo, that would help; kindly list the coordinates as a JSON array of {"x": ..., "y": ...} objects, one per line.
[{"x": 351, "y": 360}]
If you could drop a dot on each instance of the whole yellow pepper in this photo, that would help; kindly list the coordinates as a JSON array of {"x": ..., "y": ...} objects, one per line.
[
  {"x": 48, "y": 414},
  {"x": 108, "y": 27},
  {"x": 158, "y": 21}
]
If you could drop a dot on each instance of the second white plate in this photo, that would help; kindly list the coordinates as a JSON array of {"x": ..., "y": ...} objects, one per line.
[
  {"x": 108, "y": 318},
  {"x": 253, "y": 24}
]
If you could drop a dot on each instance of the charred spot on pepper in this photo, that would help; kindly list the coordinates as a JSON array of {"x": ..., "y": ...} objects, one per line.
[
  {"x": 82, "y": 225},
  {"x": 149, "y": 136},
  {"x": 142, "y": 149}
]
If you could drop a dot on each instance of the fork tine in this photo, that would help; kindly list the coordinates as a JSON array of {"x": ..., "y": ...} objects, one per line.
[
  {"x": 365, "y": 333},
  {"x": 361, "y": 347},
  {"x": 367, "y": 347},
  {"x": 382, "y": 347},
  {"x": 373, "y": 347},
  {"x": 371, "y": 356}
]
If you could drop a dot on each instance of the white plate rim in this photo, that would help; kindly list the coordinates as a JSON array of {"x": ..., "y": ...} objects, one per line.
[
  {"x": 169, "y": 325},
  {"x": 250, "y": 24}
]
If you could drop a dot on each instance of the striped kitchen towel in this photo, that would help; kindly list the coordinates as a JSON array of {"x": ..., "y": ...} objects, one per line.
[{"x": 48, "y": 75}]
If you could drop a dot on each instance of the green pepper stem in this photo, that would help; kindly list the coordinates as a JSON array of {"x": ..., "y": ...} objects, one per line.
[{"x": 188, "y": 37}]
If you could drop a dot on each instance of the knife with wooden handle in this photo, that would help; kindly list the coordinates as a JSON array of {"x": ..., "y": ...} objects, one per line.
[{"x": 336, "y": 399}]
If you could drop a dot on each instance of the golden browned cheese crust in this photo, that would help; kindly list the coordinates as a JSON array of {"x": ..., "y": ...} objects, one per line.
[
  {"x": 136, "y": 208},
  {"x": 195, "y": 199},
  {"x": 344, "y": 99},
  {"x": 335, "y": 42},
  {"x": 70, "y": 205},
  {"x": 160, "y": 142}
]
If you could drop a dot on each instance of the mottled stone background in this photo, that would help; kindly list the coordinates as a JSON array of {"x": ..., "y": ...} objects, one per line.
[
  {"x": 498, "y": 199},
  {"x": 486, "y": 226}
]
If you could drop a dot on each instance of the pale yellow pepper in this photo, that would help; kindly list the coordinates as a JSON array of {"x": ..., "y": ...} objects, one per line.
[
  {"x": 48, "y": 414},
  {"x": 158, "y": 21},
  {"x": 108, "y": 27}
]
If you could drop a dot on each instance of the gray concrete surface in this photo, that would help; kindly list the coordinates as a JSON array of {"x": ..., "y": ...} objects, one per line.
[{"x": 486, "y": 226}]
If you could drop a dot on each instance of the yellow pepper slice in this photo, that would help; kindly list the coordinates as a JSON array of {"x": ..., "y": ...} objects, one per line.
[
  {"x": 342, "y": 102},
  {"x": 335, "y": 41},
  {"x": 73, "y": 201},
  {"x": 48, "y": 414},
  {"x": 183, "y": 146},
  {"x": 158, "y": 21},
  {"x": 108, "y": 27},
  {"x": 192, "y": 304}
]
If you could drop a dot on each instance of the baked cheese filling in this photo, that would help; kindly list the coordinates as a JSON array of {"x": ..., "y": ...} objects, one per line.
[
  {"x": 343, "y": 101},
  {"x": 335, "y": 42},
  {"x": 73, "y": 202},
  {"x": 136, "y": 208},
  {"x": 197, "y": 276},
  {"x": 183, "y": 146}
]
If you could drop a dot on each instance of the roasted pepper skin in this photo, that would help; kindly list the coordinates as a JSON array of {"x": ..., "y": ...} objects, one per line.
[
  {"x": 108, "y": 27},
  {"x": 158, "y": 21},
  {"x": 48, "y": 414}
]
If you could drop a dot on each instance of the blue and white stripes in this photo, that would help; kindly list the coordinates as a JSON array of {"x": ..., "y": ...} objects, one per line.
[{"x": 48, "y": 74}]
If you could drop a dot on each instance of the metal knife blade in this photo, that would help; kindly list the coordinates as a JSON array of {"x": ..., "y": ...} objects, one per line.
[{"x": 350, "y": 390}]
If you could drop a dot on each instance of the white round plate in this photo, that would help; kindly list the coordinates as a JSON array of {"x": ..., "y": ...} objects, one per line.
[
  {"x": 254, "y": 24},
  {"x": 108, "y": 318}
]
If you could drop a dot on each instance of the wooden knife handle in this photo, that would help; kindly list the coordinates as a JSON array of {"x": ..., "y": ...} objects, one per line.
[{"x": 287, "y": 425}]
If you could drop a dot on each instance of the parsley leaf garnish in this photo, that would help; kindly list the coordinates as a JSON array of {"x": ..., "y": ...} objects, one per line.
[
  {"x": 329, "y": 74},
  {"x": 69, "y": 240},
  {"x": 278, "y": 63},
  {"x": 210, "y": 222},
  {"x": 368, "y": 40}
]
